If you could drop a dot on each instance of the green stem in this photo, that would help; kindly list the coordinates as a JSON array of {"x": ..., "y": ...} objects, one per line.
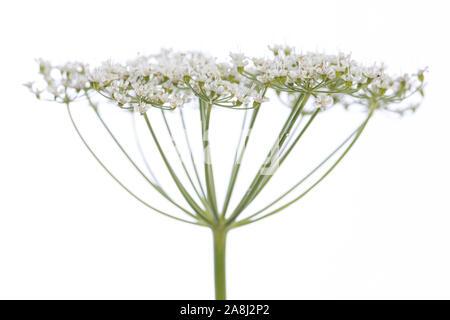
[
  {"x": 205, "y": 116},
  {"x": 302, "y": 180},
  {"x": 220, "y": 238},
  {"x": 180, "y": 158},
  {"x": 188, "y": 143},
  {"x": 180, "y": 187},
  {"x": 156, "y": 186},
  {"x": 267, "y": 178},
  {"x": 260, "y": 176},
  {"x": 237, "y": 164},
  {"x": 358, "y": 134},
  {"x": 118, "y": 181}
]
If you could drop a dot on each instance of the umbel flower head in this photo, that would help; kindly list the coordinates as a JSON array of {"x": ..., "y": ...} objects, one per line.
[
  {"x": 308, "y": 83},
  {"x": 171, "y": 79}
]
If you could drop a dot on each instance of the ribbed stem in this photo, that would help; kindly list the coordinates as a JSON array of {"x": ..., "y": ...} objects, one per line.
[{"x": 220, "y": 238}]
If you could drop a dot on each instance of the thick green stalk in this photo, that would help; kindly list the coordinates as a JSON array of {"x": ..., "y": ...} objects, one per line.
[{"x": 220, "y": 238}]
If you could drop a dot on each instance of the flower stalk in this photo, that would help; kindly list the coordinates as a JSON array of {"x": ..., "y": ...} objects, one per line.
[{"x": 219, "y": 241}]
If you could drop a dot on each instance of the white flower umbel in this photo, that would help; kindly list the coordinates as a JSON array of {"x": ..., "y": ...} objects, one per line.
[{"x": 312, "y": 82}]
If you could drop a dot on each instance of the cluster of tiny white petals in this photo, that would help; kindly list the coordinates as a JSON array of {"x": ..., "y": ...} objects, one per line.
[
  {"x": 239, "y": 59},
  {"x": 323, "y": 101},
  {"x": 328, "y": 76},
  {"x": 169, "y": 80},
  {"x": 61, "y": 83}
]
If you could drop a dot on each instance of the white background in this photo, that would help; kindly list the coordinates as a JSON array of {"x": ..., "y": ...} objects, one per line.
[{"x": 377, "y": 228}]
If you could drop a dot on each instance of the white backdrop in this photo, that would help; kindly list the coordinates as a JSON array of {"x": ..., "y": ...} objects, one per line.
[{"x": 377, "y": 228}]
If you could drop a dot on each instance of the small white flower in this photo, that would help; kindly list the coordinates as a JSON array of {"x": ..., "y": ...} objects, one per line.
[
  {"x": 275, "y": 49},
  {"x": 239, "y": 59},
  {"x": 44, "y": 67},
  {"x": 323, "y": 101},
  {"x": 121, "y": 98},
  {"x": 142, "y": 107}
]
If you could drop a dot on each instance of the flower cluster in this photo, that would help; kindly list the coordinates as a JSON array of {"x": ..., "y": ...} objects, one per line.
[
  {"x": 61, "y": 83},
  {"x": 169, "y": 80},
  {"x": 331, "y": 78}
]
